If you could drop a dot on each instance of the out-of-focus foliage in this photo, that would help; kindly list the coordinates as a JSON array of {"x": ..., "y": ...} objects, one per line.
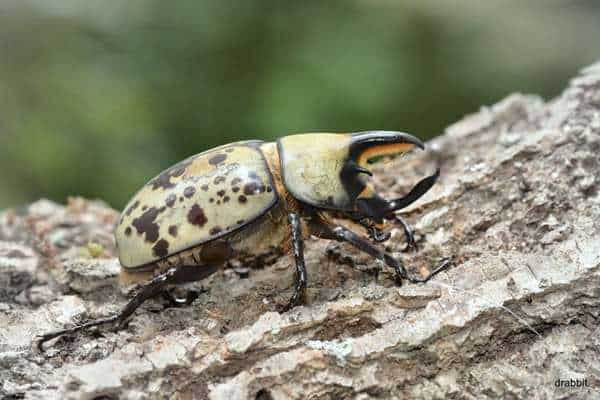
[{"x": 98, "y": 96}]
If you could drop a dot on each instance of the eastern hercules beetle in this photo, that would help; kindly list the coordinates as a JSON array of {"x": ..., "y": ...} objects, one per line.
[{"x": 247, "y": 197}]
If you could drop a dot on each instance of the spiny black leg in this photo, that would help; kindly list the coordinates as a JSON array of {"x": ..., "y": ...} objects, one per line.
[
  {"x": 41, "y": 339},
  {"x": 298, "y": 248},
  {"x": 411, "y": 244},
  {"x": 343, "y": 234},
  {"x": 151, "y": 289},
  {"x": 157, "y": 285}
]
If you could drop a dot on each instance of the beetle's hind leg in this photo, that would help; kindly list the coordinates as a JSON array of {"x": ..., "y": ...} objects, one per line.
[{"x": 158, "y": 284}]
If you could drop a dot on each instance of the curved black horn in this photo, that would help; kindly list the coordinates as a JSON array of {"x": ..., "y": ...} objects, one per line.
[
  {"x": 416, "y": 192},
  {"x": 362, "y": 141}
]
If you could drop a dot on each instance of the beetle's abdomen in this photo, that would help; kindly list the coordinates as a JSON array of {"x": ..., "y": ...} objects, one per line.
[{"x": 200, "y": 199}]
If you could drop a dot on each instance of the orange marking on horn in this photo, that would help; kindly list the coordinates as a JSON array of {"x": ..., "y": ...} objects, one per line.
[{"x": 383, "y": 150}]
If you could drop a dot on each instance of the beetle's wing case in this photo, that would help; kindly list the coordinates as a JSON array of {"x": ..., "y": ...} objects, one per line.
[
  {"x": 311, "y": 165},
  {"x": 202, "y": 198}
]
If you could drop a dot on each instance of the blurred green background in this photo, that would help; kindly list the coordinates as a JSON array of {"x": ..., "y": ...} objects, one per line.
[{"x": 96, "y": 97}]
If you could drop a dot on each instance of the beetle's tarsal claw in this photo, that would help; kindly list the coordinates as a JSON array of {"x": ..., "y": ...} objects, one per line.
[
  {"x": 297, "y": 299},
  {"x": 444, "y": 264}
]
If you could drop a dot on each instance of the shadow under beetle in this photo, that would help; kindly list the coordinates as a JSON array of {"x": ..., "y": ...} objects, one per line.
[{"x": 249, "y": 197}]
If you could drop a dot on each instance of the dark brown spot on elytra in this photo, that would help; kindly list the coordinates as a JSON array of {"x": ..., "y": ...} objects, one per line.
[
  {"x": 211, "y": 200},
  {"x": 242, "y": 198},
  {"x": 128, "y": 231},
  {"x": 218, "y": 201},
  {"x": 225, "y": 199},
  {"x": 145, "y": 224},
  {"x": 269, "y": 189},
  {"x": 132, "y": 207},
  {"x": 217, "y": 158},
  {"x": 235, "y": 181},
  {"x": 161, "y": 248},
  {"x": 215, "y": 229},
  {"x": 204, "y": 187},
  {"x": 164, "y": 179},
  {"x": 189, "y": 191},
  {"x": 252, "y": 188},
  {"x": 144, "y": 208},
  {"x": 170, "y": 200},
  {"x": 180, "y": 199},
  {"x": 173, "y": 230},
  {"x": 219, "y": 179},
  {"x": 235, "y": 189},
  {"x": 196, "y": 216},
  {"x": 239, "y": 221},
  {"x": 221, "y": 193}
]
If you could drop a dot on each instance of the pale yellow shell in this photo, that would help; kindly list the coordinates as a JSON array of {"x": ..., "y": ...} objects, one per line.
[
  {"x": 202, "y": 198},
  {"x": 311, "y": 164}
]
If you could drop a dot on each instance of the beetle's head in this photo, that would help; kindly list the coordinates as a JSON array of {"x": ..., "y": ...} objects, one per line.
[
  {"x": 331, "y": 171},
  {"x": 365, "y": 146}
]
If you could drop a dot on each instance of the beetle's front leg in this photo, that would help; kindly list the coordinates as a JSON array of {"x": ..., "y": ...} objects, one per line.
[
  {"x": 379, "y": 236},
  {"x": 342, "y": 234},
  {"x": 298, "y": 249},
  {"x": 411, "y": 244}
]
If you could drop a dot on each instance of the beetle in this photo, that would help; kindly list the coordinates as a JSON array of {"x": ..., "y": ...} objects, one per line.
[{"x": 248, "y": 197}]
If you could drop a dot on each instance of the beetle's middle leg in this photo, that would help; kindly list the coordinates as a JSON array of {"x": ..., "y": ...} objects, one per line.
[
  {"x": 174, "y": 275},
  {"x": 342, "y": 234},
  {"x": 298, "y": 248}
]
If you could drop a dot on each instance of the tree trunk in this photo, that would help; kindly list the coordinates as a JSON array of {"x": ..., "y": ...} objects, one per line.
[{"x": 517, "y": 208}]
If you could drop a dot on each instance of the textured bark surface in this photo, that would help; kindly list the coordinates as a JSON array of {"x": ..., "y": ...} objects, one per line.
[{"x": 517, "y": 207}]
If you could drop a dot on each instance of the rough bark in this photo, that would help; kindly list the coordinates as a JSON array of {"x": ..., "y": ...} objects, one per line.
[{"x": 517, "y": 207}]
